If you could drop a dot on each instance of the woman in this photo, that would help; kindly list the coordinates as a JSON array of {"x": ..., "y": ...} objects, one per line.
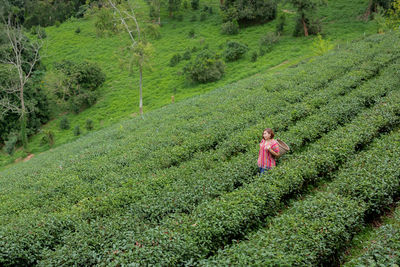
[{"x": 269, "y": 149}]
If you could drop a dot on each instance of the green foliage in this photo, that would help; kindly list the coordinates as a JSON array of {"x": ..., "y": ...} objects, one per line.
[
  {"x": 104, "y": 22},
  {"x": 177, "y": 202},
  {"x": 195, "y": 4},
  {"x": 48, "y": 138},
  {"x": 388, "y": 20},
  {"x": 249, "y": 12},
  {"x": 78, "y": 30},
  {"x": 191, "y": 34},
  {"x": 307, "y": 20},
  {"x": 175, "y": 59},
  {"x": 187, "y": 55},
  {"x": 230, "y": 28},
  {"x": 384, "y": 248},
  {"x": 321, "y": 46},
  {"x": 77, "y": 130},
  {"x": 89, "y": 125},
  {"x": 152, "y": 31},
  {"x": 193, "y": 18},
  {"x": 254, "y": 56},
  {"x": 280, "y": 26},
  {"x": 206, "y": 67},
  {"x": 9, "y": 145},
  {"x": 234, "y": 51},
  {"x": 64, "y": 123},
  {"x": 79, "y": 82},
  {"x": 268, "y": 41},
  {"x": 203, "y": 16}
]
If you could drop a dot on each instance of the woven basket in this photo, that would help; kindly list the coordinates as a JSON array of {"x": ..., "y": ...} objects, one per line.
[{"x": 283, "y": 147}]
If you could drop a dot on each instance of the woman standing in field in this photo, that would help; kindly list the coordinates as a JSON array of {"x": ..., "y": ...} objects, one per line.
[{"x": 269, "y": 149}]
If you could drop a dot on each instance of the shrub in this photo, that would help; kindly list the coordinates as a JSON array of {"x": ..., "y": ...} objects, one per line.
[
  {"x": 187, "y": 55},
  {"x": 179, "y": 17},
  {"x": 193, "y": 18},
  {"x": 77, "y": 130},
  {"x": 185, "y": 4},
  {"x": 78, "y": 30},
  {"x": 230, "y": 28},
  {"x": 314, "y": 26},
  {"x": 268, "y": 41},
  {"x": 57, "y": 23},
  {"x": 206, "y": 67},
  {"x": 64, "y": 123},
  {"x": 234, "y": 51},
  {"x": 194, "y": 48},
  {"x": 81, "y": 79},
  {"x": 248, "y": 12},
  {"x": 203, "y": 16},
  {"x": 254, "y": 56},
  {"x": 104, "y": 22},
  {"x": 195, "y": 4},
  {"x": 47, "y": 138},
  {"x": 175, "y": 59},
  {"x": 10, "y": 144},
  {"x": 153, "y": 31},
  {"x": 89, "y": 124},
  {"x": 191, "y": 33},
  {"x": 280, "y": 24},
  {"x": 210, "y": 10}
]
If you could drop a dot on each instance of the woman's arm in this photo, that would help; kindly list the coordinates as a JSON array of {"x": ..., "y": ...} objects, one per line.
[{"x": 273, "y": 152}]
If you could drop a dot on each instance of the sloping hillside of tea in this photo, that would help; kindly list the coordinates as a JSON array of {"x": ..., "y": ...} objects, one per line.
[
  {"x": 118, "y": 98},
  {"x": 181, "y": 187}
]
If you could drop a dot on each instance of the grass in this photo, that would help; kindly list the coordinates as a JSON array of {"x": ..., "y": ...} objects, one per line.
[{"x": 119, "y": 96}]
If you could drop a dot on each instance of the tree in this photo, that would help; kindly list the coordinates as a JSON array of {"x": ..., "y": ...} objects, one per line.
[
  {"x": 139, "y": 51},
  {"x": 305, "y": 9},
  {"x": 22, "y": 66},
  {"x": 248, "y": 11}
]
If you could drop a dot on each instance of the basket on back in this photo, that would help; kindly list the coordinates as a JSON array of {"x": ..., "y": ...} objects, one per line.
[{"x": 283, "y": 147}]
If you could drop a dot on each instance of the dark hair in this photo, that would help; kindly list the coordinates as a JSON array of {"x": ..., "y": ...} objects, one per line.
[{"x": 271, "y": 133}]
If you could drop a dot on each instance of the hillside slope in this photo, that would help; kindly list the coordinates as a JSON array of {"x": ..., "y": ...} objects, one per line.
[
  {"x": 177, "y": 185},
  {"x": 119, "y": 95}
]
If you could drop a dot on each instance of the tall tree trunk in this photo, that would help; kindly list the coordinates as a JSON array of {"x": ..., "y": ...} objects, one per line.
[
  {"x": 140, "y": 91},
  {"x": 304, "y": 26},
  {"x": 23, "y": 118},
  {"x": 221, "y": 2},
  {"x": 368, "y": 11}
]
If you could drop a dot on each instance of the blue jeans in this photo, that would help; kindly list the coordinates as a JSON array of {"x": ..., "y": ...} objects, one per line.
[{"x": 262, "y": 170}]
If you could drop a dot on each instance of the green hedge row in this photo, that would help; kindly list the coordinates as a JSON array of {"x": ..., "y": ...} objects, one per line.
[
  {"x": 312, "y": 232},
  {"x": 215, "y": 223},
  {"x": 384, "y": 249}
]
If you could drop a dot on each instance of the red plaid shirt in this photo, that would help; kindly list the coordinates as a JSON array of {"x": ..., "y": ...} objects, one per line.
[{"x": 265, "y": 158}]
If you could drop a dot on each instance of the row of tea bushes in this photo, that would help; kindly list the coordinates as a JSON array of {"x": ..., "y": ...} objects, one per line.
[
  {"x": 384, "y": 249},
  {"x": 187, "y": 238},
  {"x": 313, "y": 231}
]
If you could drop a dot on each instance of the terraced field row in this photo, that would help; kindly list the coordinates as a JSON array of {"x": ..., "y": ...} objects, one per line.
[{"x": 384, "y": 248}]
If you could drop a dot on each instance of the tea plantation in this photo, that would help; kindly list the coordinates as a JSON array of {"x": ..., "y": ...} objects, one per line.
[{"x": 180, "y": 187}]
